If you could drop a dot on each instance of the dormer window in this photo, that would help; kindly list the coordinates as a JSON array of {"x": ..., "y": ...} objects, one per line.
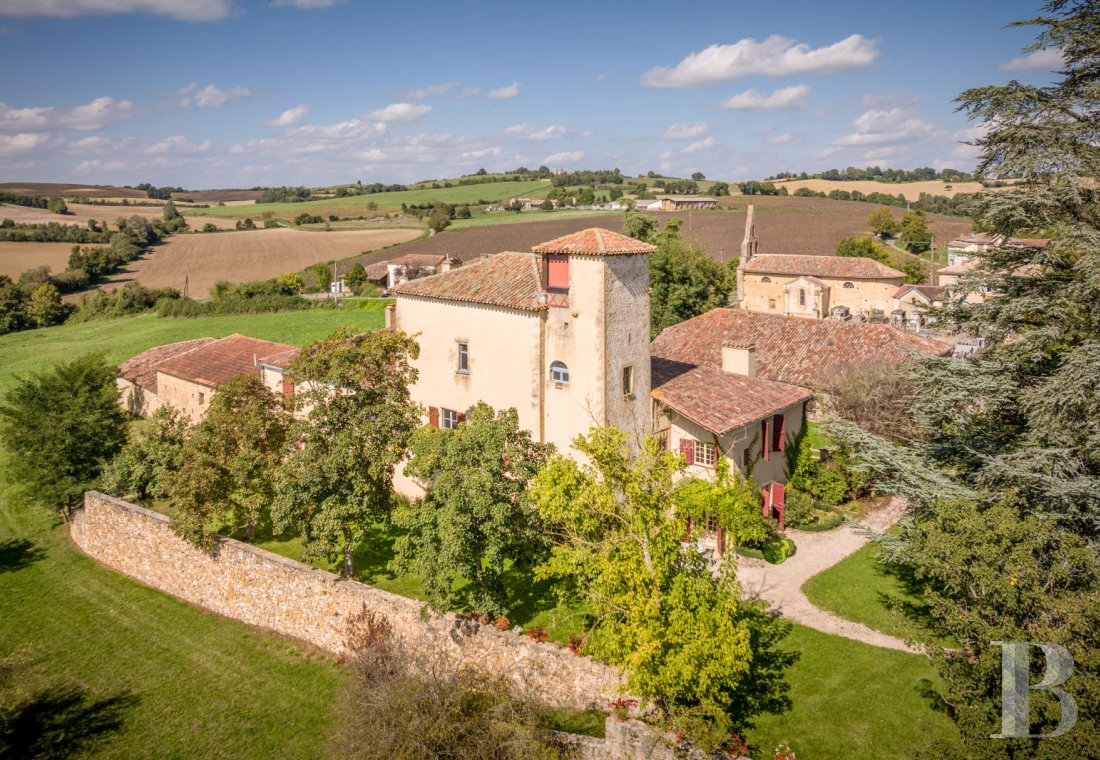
[{"x": 557, "y": 273}]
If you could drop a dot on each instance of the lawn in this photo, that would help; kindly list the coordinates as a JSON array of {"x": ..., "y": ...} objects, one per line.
[
  {"x": 512, "y": 217},
  {"x": 853, "y": 700},
  {"x": 471, "y": 194},
  {"x": 863, "y": 589}
]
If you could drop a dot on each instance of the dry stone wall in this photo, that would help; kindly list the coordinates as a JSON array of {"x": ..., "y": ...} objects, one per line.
[{"x": 263, "y": 589}]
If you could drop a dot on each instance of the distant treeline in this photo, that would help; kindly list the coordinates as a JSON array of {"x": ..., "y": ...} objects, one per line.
[
  {"x": 159, "y": 193},
  {"x": 877, "y": 174},
  {"x": 284, "y": 194},
  {"x": 56, "y": 205},
  {"x": 958, "y": 205}
]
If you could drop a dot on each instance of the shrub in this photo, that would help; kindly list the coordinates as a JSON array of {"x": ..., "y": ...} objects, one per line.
[
  {"x": 538, "y": 633},
  {"x": 208, "y": 227},
  {"x": 141, "y": 469}
]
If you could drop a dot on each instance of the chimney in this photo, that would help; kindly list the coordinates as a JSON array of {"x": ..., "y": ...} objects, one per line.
[
  {"x": 739, "y": 359},
  {"x": 449, "y": 263},
  {"x": 391, "y": 316}
]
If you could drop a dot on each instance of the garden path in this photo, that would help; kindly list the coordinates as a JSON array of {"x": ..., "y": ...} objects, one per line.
[{"x": 781, "y": 585}]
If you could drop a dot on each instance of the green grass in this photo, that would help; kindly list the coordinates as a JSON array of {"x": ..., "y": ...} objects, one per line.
[
  {"x": 511, "y": 217},
  {"x": 853, "y": 700},
  {"x": 490, "y": 191},
  {"x": 862, "y": 589}
]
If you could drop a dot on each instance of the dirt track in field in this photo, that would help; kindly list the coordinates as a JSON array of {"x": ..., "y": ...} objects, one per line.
[
  {"x": 783, "y": 225},
  {"x": 204, "y": 259},
  {"x": 16, "y": 258}
]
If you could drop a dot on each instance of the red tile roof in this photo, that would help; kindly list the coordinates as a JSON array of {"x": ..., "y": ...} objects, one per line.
[
  {"x": 141, "y": 370},
  {"x": 931, "y": 292},
  {"x": 806, "y": 352},
  {"x": 379, "y": 269},
  {"x": 594, "y": 241},
  {"x": 717, "y": 400},
  {"x": 221, "y": 360},
  {"x": 848, "y": 267},
  {"x": 281, "y": 359},
  {"x": 512, "y": 280}
]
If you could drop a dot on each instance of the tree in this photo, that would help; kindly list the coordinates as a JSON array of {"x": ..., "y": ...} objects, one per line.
[
  {"x": 684, "y": 282},
  {"x": 914, "y": 233},
  {"x": 170, "y": 213},
  {"x": 143, "y": 468},
  {"x": 292, "y": 283},
  {"x": 547, "y": 205},
  {"x": 882, "y": 222},
  {"x": 698, "y": 176},
  {"x": 439, "y": 219},
  {"x": 228, "y": 463},
  {"x": 57, "y": 206},
  {"x": 639, "y": 226},
  {"x": 358, "y": 417},
  {"x": 476, "y": 515},
  {"x": 355, "y": 277},
  {"x": 702, "y": 657},
  {"x": 60, "y": 427},
  {"x": 860, "y": 246},
  {"x": 45, "y": 307},
  {"x": 719, "y": 189}
]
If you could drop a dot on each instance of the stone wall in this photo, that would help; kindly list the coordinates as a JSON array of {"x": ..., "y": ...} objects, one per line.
[{"x": 263, "y": 589}]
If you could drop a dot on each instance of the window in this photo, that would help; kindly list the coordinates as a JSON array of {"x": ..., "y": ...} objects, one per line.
[
  {"x": 849, "y": 285},
  {"x": 559, "y": 373},
  {"x": 628, "y": 381},
  {"x": 801, "y": 296},
  {"x": 706, "y": 454},
  {"x": 771, "y": 303},
  {"x": 202, "y": 398},
  {"x": 449, "y": 419},
  {"x": 463, "y": 358},
  {"x": 765, "y": 279},
  {"x": 557, "y": 273},
  {"x": 779, "y": 432}
]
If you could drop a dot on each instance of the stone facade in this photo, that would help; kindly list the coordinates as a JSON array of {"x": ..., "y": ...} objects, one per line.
[
  {"x": 780, "y": 294},
  {"x": 257, "y": 587}
]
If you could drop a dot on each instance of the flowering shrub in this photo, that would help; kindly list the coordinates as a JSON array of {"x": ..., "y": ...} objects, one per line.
[
  {"x": 576, "y": 644},
  {"x": 502, "y": 623},
  {"x": 735, "y": 746},
  {"x": 784, "y": 752},
  {"x": 538, "y": 633},
  {"x": 622, "y": 706}
]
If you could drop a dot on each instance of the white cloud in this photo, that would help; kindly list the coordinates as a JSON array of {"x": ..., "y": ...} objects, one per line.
[
  {"x": 210, "y": 96},
  {"x": 698, "y": 147},
  {"x": 526, "y": 132},
  {"x": 290, "y": 116},
  {"x": 776, "y": 56},
  {"x": 94, "y": 115},
  {"x": 468, "y": 92},
  {"x": 483, "y": 153},
  {"x": 11, "y": 145},
  {"x": 1049, "y": 59},
  {"x": 95, "y": 165},
  {"x": 685, "y": 131},
  {"x": 307, "y": 4},
  {"x": 399, "y": 112},
  {"x": 890, "y": 126},
  {"x": 431, "y": 91},
  {"x": 888, "y": 151},
  {"x": 782, "y": 139},
  {"x": 176, "y": 145},
  {"x": 566, "y": 157},
  {"x": 188, "y": 10},
  {"x": 504, "y": 93},
  {"x": 753, "y": 100},
  {"x": 603, "y": 75}
]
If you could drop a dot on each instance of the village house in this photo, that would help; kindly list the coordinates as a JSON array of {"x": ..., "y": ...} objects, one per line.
[
  {"x": 961, "y": 249},
  {"x": 684, "y": 203},
  {"x": 387, "y": 274},
  {"x": 527, "y": 204},
  {"x": 186, "y": 375}
]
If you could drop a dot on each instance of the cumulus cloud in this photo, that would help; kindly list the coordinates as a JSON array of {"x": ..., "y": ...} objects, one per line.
[
  {"x": 685, "y": 131},
  {"x": 781, "y": 139},
  {"x": 776, "y": 56},
  {"x": 94, "y": 115},
  {"x": 526, "y": 132},
  {"x": 290, "y": 116},
  {"x": 96, "y": 165},
  {"x": 176, "y": 145},
  {"x": 504, "y": 93},
  {"x": 11, "y": 145},
  {"x": 566, "y": 157},
  {"x": 399, "y": 112},
  {"x": 483, "y": 153},
  {"x": 888, "y": 151},
  {"x": 754, "y": 100},
  {"x": 889, "y": 126},
  {"x": 190, "y": 10},
  {"x": 432, "y": 91},
  {"x": 1049, "y": 59},
  {"x": 210, "y": 96},
  {"x": 698, "y": 147}
]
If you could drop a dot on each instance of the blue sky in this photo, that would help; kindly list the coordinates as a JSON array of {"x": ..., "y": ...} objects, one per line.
[{"x": 236, "y": 93}]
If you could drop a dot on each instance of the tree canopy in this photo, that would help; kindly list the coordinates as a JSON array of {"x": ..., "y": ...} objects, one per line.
[{"x": 684, "y": 282}]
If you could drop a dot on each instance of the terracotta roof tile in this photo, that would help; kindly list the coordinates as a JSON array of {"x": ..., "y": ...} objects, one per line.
[
  {"x": 848, "y": 267},
  {"x": 594, "y": 241},
  {"x": 379, "y": 269},
  {"x": 806, "y": 352},
  {"x": 931, "y": 292},
  {"x": 141, "y": 370},
  {"x": 511, "y": 280},
  {"x": 221, "y": 360},
  {"x": 717, "y": 400},
  {"x": 281, "y": 359}
]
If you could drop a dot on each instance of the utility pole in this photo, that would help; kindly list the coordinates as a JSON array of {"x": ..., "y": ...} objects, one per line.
[
  {"x": 186, "y": 282},
  {"x": 932, "y": 262}
]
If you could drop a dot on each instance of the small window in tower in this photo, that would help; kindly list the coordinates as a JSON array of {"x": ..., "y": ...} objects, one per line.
[
  {"x": 463, "y": 358},
  {"x": 559, "y": 373},
  {"x": 765, "y": 279},
  {"x": 557, "y": 273},
  {"x": 849, "y": 285},
  {"x": 801, "y": 296},
  {"x": 628, "y": 381}
]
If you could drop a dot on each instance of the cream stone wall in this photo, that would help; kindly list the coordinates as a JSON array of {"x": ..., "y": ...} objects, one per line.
[
  {"x": 191, "y": 399},
  {"x": 263, "y": 589},
  {"x": 628, "y": 344},
  {"x": 135, "y": 399},
  {"x": 864, "y": 295}
]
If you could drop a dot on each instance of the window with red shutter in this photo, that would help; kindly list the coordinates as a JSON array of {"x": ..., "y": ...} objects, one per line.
[
  {"x": 764, "y": 447},
  {"x": 779, "y": 432},
  {"x": 433, "y": 416},
  {"x": 721, "y": 542},
  {"x": 764, "y": 501},
  {"x": 288, "y": 389},
  {"x": 687, "y": 448},
  {"x": 779, "y": 500},
  {"x": 557, "y": 273},
  {"x": 460, "y": 418}
]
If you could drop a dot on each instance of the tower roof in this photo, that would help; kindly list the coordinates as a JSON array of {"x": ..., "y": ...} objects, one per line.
[{"x": 595, "y": 241}]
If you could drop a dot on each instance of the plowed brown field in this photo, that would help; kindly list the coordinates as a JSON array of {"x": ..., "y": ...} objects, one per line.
[{"x": 16, "y": 258}]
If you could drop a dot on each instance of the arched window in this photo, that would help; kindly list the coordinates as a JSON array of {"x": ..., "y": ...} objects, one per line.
[
  {"x": 765, "y": 279},
  {"x": 559, "y": 373},
  {"x": 849, "y": 285},
  {"x": 801, "y": 296}
]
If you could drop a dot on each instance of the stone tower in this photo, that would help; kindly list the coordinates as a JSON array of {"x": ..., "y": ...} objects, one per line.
[
  {"x": 597, "y": 325},
  {"x": 748, "y": 249}
]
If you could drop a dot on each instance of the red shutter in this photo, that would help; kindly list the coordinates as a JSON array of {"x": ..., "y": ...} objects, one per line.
[
  {"x": 721, "y": 542},
  {"x": 764, "y": 505},
  {"x": 433, "y": 416},
  {"x": 460, "y": 418},
  {"x": 779, "y": 432},
  {"x": 764, "y": 445},
  {"x": 557, "y": 272},
  {"x": 288, "y": 389},
  {"x": 779, "y": 500},
  {"x": 687, "y": 448}
]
